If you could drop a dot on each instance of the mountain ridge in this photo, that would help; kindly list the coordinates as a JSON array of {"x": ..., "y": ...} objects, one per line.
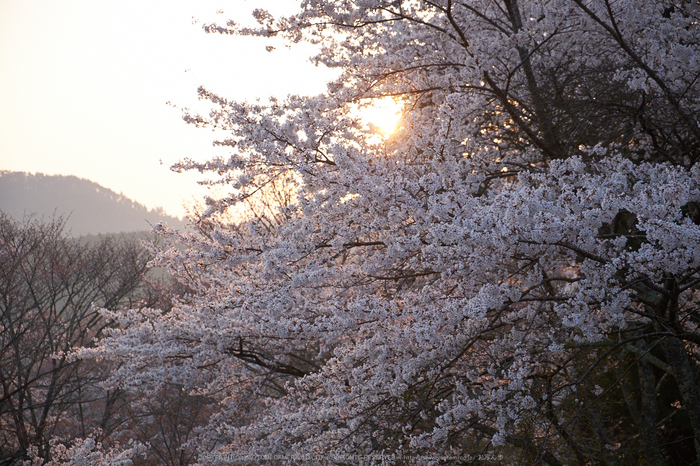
[{"x": 88, "y": 207}]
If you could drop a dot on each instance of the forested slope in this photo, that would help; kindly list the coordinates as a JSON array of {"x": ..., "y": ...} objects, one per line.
[{"x": 89, "y": 207}]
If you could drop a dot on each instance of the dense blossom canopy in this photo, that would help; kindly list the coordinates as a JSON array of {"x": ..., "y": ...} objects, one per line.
[{"x": 514, "y": 272}]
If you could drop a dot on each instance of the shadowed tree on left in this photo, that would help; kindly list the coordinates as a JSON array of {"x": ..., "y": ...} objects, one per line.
[{"x": 51, "y": 287}]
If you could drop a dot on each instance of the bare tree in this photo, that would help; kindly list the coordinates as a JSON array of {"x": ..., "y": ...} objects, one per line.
[{"x": 50, "y": 289}]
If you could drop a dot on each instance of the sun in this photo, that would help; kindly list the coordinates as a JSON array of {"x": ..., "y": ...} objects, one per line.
[{"x": 383, "y": 114}]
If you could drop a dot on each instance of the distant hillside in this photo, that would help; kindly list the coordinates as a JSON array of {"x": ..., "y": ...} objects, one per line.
[{"x": 89, "y": 207}]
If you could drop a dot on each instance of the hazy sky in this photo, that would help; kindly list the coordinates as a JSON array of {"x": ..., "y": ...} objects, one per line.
[{"x": 84, "y": 86}]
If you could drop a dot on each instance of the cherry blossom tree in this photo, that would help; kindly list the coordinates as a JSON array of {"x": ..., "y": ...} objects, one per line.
[
  {"x": 515, "y": 272},
  {"x": 86, "y": 452}
]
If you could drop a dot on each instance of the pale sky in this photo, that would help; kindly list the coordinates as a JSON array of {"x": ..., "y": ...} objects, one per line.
[{"x": 84, "y": 86}]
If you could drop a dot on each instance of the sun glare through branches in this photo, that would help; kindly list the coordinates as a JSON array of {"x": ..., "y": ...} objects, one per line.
[{"x": 383, "y": 114}]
